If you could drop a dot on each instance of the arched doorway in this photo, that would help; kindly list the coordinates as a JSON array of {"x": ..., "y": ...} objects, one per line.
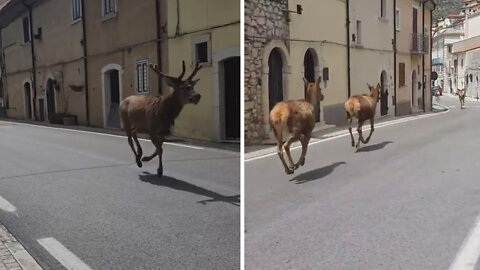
[
  {"x": 231, "y": 74},
  {"x": 383, "y": 94},
  {"x": 28, "y": 100},
  {"x": 309, "y": 73},
  {"x": 111, "y": 95},
  {"x": 51, "y": 107},
  {"x": 414, "y": 89},
  {"x": 275, "y": 78}
]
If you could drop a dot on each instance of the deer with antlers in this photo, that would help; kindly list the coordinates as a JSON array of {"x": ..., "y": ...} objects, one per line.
[
  {"x": 363, "y": 108},
  {"x": 156, "y": 115},
  {"x": 296, "y": 120}
]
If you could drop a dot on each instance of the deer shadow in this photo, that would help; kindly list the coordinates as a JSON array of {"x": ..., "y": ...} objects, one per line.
[
  {"x": 173, "y": 183},
  {"x": 373, "y": 147},
  {"x": 316, "y": 174}
]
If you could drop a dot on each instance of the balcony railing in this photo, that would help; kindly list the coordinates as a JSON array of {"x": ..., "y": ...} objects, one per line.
[{"x": 419, "y": 44}]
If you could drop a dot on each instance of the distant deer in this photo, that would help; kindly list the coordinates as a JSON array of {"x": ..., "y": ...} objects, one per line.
[
  {"x": 156, "y": 115},
  {"x": 363, "y": 108},
  {"x": 295, "y": 119},
  {"x": 461, "y": 96}
]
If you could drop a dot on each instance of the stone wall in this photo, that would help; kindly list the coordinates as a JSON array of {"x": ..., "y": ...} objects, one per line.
[{"x": 264, "y": 21}]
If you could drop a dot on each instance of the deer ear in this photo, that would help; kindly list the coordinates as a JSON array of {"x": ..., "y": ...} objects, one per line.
[
  {"x": 378, "y": 86},
  {"x": 305, "y": 81},
  {"x": 368, "y": 85}
]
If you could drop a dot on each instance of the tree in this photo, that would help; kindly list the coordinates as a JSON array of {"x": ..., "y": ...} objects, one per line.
[{"x": 445, "y": 7}]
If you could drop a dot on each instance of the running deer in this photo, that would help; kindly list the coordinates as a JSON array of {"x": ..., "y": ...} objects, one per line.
[
  {"x": 156, "y": 115},
  {"x": 295, "y": 119},
  {"x": 461, "y": 96},
  {"x": 363, "y": 108}
]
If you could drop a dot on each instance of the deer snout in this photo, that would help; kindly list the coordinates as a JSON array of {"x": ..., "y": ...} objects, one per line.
[
  {"x": 321, "y": 97},
  {"x": 195, "y": 98}
]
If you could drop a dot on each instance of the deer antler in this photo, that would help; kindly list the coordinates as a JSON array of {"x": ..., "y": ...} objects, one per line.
[
  {"x": 197, "y": 68},
  {"x": 183, "y": 71}
]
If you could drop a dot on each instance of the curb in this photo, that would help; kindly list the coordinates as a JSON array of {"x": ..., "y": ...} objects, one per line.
[{"x": 13, "y": 255}]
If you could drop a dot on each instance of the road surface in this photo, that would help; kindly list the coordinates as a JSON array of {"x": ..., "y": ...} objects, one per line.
[
  {"x": 407, "y": 200},
  {"x": 77, "y": 199}
]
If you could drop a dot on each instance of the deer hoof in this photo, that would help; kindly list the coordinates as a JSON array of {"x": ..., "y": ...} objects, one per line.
[
  {"x": 145, "y": 159},
  {"x": 353, "y": 144},
  {"x": 139, "y": 163},
  {"x": 289, "y": 171},
  {"x": 159, "y": 173}
]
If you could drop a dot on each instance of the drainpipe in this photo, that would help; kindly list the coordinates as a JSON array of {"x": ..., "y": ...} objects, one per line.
[
  {"x": 159, "y": 40},
  {"x": 395, "y": 53},
  {"x": 423, "y": 57},
  {"x": 34, "y": 71},
  {"x": 348, "y": 49},
  {"x": 85, "y": 61},
  {"x": 431, "y": 47}
]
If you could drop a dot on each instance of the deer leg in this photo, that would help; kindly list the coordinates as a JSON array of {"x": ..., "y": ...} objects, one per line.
[
  {"x": 158, "y": 141},
  {"x": 350, "y": 119},
  {"x": 371, "y": 131},
  {"x": 139, "y": 154},
  {"x": 304, "y": 142},
  {"x": 153, "y": 138},
  {"x": 282, "y": 158},
  {"x": 360, "y": 136},
  {"x": 286, "y": 146}
]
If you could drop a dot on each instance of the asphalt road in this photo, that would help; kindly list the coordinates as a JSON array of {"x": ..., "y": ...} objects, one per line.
[
  {"x": 407, "y": 200},
  {"x": 85, "y": 191}
]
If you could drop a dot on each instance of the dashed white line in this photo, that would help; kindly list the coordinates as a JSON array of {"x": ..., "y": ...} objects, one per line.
[
  {"x": 6, "y": 205},
  {"x": 467, "y": 257},
  {"x": 104, "y": 134},
  {"x": 62, "y": 254}
]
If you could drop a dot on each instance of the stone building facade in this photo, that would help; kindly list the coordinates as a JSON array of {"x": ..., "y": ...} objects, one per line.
[{"x": 266, "y": 28}]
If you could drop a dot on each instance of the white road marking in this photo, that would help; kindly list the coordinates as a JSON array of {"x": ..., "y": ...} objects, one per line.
[
  {"x": 467, "y": 257},
  {"x": 62, "y": 254},
  {"x": 6, "y": 206},
  {"x": 104, "y": 134},
  {"x": 340, "y": 134}
]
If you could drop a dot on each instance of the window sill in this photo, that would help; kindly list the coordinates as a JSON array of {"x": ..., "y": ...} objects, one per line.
[
  {"x": 358, "y": 45},
  {"x": 397, "y": 29},
  {"x": 110, "y": 16},
  {"x": 383, "y": 19},
  {"x": 76, "y": 21},
  {"x": 204, "y": 64}
]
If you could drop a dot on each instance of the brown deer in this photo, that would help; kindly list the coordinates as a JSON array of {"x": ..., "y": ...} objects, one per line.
[
  {"x": 362, "y": 107},
  {"x": 156, "y": 115},
  {"x": 295, "y": 119},
  {"x": 461, "y": 96}
]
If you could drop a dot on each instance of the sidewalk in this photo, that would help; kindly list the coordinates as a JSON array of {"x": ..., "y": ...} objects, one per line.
[
  {"x": 230, "y": 146},
  {"x": 13, "y": 255}
]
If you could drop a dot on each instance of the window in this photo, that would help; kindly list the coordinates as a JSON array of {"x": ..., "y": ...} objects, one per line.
[
  {"x": 383, "y": 9},
  {"x": 26, "y": 30},
  {"x": 76, "y": 10},
  {"x": 401, "y": 71},
  {"x": 142, "y": 83},
  {"x": 201, "y": 52},
  {"x": 109, "y": 7},
  {"x": 449, "y": 48},
  {"x": 202, "y": 49},
  {"x": 461, "y": 63},
  {"x": 359, "y": 32},
  {"x": 397, "y": 19}
]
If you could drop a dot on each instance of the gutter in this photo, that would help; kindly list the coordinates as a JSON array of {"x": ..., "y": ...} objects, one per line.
[
  {"x": 423, "y": 57},
  {"x": 85, "y": 61},
  {"x": 348, "y": 50}
]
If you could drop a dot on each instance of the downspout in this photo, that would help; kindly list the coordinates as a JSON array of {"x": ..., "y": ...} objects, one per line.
[
  {"x": 395, "y": 53},
  {"x": 423, "y": 57},
  {"x": 159, "y": 40},
  {"x": 348, "y": 49},
  {"x": 85, "y": 61},
  {"x": 34, "y": 71},
  {"x": 431, "y": 47}
]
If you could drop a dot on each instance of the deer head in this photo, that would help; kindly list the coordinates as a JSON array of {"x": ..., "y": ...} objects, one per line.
[
  {"x": 374, "y": 91},
  {"x": 313, "y": 88},
  {"x": 184, "y": 89}
]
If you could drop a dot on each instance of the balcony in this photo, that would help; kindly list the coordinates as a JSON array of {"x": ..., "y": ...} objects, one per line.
[{"x": 419, "y": 43}]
